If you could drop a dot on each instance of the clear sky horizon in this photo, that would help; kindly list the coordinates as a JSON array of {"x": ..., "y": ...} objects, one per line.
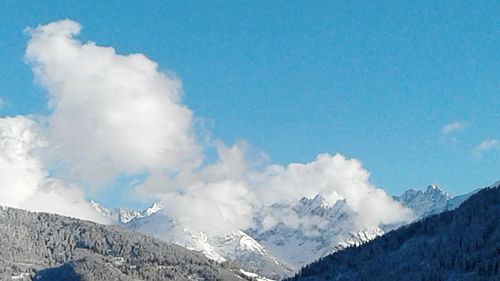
[{"x": 411, "y": 89}]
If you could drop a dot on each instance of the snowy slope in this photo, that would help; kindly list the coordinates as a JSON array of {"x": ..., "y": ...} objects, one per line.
[{"x": 237, "y": 247}]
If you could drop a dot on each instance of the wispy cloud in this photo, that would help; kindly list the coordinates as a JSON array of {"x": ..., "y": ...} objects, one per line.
[
  {"x": 484, "y": 146},
  {"x": 453, "y": 127}
]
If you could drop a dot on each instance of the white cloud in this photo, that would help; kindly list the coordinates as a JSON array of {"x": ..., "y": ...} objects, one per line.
[
  {"x": 24, "y": 181},
  {"x": 216, "y": 207},
  {"x": 111, "y": 113},
  {"x": 485, "y": 146},
  {"x": 333, "y": 177},
  {"x": 453, "y": 127},
  {"x": 20, "y": 171},
  {"x": 216, "y": 197}
]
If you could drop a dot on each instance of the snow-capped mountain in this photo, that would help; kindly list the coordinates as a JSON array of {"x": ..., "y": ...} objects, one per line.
[
  {"x": 461, "y": 244},
  {"x": 425, "y": 203},
  {"x": 121, "y": 216},
  {"x": 432, "y": 201},
  {"x": 321, "y": 229},
  {"x": 314, "y": 228}
]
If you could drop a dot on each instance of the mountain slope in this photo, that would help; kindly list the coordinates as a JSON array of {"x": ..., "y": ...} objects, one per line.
[
  {"x": 236, "y": 247},
  {"x": 51, "y": 247},
  {"x": 275, "y": 252},
  {"x": 278, "y": 251},
  {"x": 463, "y": 244}
]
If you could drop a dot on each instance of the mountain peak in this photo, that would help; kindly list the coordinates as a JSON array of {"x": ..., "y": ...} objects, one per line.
[
  {"x": 100, "y": 208},
  {"x": 125, "y": 216},
  {"x": 424, "y": 203},
  {"x": 320, "y": 201},
  {"x": 155, "y": 208},
  {"x": 434, "y": 189},
  {"x": 433, "y": 186},
  {"x": 317, "y": 202}
]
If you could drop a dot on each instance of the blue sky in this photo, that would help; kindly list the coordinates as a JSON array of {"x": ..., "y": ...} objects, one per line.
[{"x": 377, "y": 81}]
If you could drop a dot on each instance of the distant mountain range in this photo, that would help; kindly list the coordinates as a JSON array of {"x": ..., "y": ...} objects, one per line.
[
  {"x": 279, "y": 251},
  {"x": 462, "y": 244},
  {"x": 39, "y": 246}
]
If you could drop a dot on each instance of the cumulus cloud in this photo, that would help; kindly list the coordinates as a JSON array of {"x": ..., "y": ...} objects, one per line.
[
  {"x": 334, "y": 177},
  {"x": 113, "y": 114},
  {"x": 230, "y": 164},
  {"x": 110, "y": 113},
  {"x": 485, "y": 146},
  {"x": 453, "y": 127},
  {"x": 24, "y": 181},
  {"x": 215, "y": 196}
]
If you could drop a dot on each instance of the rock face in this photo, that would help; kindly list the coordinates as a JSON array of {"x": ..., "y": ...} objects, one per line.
[
  {"x": 40, "y": 246},
  {"x": 462, "y": 244}
]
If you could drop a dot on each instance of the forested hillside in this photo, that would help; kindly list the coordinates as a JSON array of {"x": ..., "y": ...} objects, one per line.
[
  {"x": 463, "y": 244},
  {"x": 42, "y": 246}
]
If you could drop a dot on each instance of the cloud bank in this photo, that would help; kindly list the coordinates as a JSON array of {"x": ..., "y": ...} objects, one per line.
[{"x": 113, "y": 115}]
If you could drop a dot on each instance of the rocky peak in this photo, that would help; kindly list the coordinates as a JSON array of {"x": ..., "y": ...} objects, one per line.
[{"x": 434, "y": 190}]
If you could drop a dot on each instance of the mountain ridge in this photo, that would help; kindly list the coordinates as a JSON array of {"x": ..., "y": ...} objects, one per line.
[
  {"x": 278, "y": 252},
  {"x": 460, "y": 244}
]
